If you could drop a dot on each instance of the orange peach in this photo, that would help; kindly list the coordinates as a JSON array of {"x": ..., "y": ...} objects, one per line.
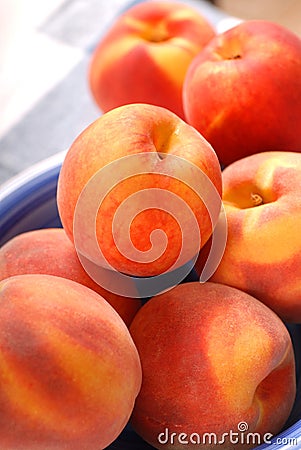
[
  {"x": 50, "y": 252},
  {"x": 261, "y": 196},
  {"x": 213, "y": 359},
  {"x": 140, "y": 182},
  {"x": 145, "y": 55},
  {"x": 242, "y": 92},
  {"x": 69, "y": 369}
]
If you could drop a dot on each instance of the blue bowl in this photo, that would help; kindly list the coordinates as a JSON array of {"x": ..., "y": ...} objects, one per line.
[{"x": 28, "y": 202}]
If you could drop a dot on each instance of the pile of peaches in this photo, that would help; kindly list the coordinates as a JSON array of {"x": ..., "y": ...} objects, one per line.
[{"x": 194, "y": 162}]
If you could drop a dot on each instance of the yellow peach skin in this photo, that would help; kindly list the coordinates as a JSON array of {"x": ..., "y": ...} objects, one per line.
[
  {"x": 69, "y": 370},
  {"x": 212, "y": 357},
  {"x": 50, "y": 252},
  {"x": 140, "y": 131},
  {"x": 145, "y": 55},
  {"x": 261, "y": 196}
]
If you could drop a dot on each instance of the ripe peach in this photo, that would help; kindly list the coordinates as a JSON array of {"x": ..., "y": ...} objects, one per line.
[
  {"x": 242, "y": 92},
  {"x": 261, "y": 196},
  {"x": 50, "y": 252},
  {"x": 69, "y": 370},
  {"x": 212, "y": 357},
  {"x": 144, "y": 56},
  {"x": 137, "y": 170}
]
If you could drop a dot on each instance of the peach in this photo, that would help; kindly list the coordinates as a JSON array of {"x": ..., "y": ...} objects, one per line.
[
  {"x": 213, "y": 359},
  {"x": 145, "y": 186},
  {"x": 261, "y": 196},
  {"x": 69, "y": 370},
  {"x": 242, "y": 92},
  {"x": 144, "y": 56},
  {"x": 50, "y": 252}
]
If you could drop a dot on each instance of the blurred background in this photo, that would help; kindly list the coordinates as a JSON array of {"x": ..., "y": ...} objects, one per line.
[
  {"x": 45, "y": 49},
  {"x": 285, "y": 12}
]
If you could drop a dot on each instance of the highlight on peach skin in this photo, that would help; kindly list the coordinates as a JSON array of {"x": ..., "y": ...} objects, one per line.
[
  {"x": 50, "y": 251},
  {"x": 261, "y": 197},
  {"x": 212, "y": 357},
  {"x": 69, "y": 368},
  {"x": 145, "y": 54}
]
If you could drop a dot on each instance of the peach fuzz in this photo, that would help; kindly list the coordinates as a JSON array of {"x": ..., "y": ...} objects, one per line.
[
  {"x": 69, "y": 370},
  {"x": 144, "y": 56},
  {"x": 132, "y": 137},
  {"x": 212, "y": 356},
  {"x": 261, "y": 196},
  {"x": 50, "y": 251},
  {"x": 242, "y": 92}
]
